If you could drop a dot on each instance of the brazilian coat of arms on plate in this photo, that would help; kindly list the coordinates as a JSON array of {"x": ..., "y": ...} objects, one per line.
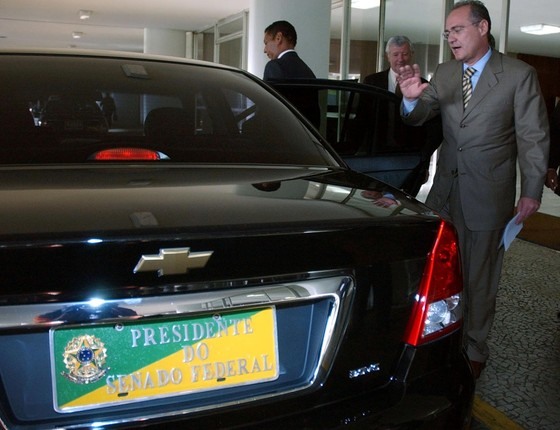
[{"x": 84, "y": 357}]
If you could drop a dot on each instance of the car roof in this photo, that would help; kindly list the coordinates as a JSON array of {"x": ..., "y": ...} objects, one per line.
[{"x": 111, "y": 54}]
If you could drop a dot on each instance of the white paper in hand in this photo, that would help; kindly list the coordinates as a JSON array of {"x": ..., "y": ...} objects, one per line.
[{"x": 511, "y": 231}]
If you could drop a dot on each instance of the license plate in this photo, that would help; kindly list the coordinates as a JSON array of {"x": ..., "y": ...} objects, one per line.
[{"x": 95, "y": 366}]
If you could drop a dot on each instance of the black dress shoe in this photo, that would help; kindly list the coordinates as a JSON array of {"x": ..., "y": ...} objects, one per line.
[{"x": 477, "y": 368}]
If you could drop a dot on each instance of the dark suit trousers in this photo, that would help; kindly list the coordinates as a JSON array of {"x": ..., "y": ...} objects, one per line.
[{"x": 482, "y": 259}]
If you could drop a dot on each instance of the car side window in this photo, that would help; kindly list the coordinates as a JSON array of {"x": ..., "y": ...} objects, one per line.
[{"x": 361, "y": 123}]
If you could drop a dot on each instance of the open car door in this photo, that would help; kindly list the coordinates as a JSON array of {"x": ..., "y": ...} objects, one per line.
[{"x": 363, "y": 124}]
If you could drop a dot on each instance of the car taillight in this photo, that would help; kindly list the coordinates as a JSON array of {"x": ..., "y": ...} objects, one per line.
[
  {"x": 438, "y": 306},
  {"x": 126, "y": 154}
]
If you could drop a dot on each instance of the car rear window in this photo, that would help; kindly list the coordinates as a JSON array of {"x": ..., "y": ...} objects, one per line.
[{"x": 81, "y": 109}]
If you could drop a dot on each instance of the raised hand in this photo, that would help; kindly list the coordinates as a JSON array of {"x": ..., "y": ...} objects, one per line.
[{"x": 410, "y": 82}]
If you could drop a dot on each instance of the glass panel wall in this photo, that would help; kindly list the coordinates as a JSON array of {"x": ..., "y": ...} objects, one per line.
[
  {"x": 230, "y": 41},
  {"x": 224, "y": 42},
  {"x": 231, "y": 52},
  {"x": 337, "y": 17},
  {"x": 421, "y": 22},
  {"x": 495, "y": 9},
  {"x": 363, "y": 27},
  {"x": 535, "y": 49}
]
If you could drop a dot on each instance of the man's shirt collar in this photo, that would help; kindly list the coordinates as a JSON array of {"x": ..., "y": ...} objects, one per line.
[
  {"x": 479, "y": 67},
  {"x": 285, "y": 52}
]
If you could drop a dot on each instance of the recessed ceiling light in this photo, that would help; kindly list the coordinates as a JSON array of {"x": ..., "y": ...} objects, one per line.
[
  {"x": 85, "y": 14},
  {"x": 365, "y": 4},
  {"x": 540, "y": 29},
  {"x": 77, "y": 34}
]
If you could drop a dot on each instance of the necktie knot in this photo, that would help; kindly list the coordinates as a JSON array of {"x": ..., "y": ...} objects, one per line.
[{"x": 467, "y": 85}]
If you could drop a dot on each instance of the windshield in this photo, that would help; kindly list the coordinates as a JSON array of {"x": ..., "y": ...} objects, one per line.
[{"x": 79, "y": 109}]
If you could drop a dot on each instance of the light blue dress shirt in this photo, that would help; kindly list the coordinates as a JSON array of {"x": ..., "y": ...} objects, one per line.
[{"x": 408, "y": 106}]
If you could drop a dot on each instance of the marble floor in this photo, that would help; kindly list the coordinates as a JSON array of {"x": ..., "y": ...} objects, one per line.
[{"x": 522, "y": 377}]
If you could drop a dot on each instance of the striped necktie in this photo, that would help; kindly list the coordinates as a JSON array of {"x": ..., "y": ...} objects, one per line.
[
  {"x": 398, "y": 91},
  {"x": 467, "y": 85}
]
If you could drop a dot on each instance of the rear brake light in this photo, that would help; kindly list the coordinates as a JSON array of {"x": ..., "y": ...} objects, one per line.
[
  {"x": 126, "y": 154},
  {"x": 438, "y": 306}
]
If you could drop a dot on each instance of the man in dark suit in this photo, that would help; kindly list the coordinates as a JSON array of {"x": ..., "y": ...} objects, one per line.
[
  {"x": 399, "y": 52},
  {"x": 494, "y": 118},
  {"x": 280, "y": 39}
]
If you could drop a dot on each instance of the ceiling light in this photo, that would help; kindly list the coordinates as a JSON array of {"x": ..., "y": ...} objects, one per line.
[
  {"x": 365, "y": 4},
  {"x": 85, "y": 14},
  {"x": 540, "y": 29},
  {"x": 77, "y": 34}
]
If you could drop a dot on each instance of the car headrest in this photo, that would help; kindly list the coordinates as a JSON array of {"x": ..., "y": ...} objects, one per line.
[{"x": 168, "y": 125}]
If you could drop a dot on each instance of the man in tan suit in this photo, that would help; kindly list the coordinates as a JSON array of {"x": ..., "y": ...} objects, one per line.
[{"x": 504, "y": 122}]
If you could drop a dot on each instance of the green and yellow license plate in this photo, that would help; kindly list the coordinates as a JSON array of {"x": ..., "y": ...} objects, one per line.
[{"x": 95, "y": 366}]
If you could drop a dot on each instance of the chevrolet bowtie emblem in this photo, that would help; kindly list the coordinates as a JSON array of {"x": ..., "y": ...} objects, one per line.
[{"x": 173, "y": 261}]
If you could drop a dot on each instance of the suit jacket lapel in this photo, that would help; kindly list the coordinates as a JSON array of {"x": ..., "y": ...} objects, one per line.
[
  {"x": 488, "y": 80},
  {"x": 457, "y": 90}
]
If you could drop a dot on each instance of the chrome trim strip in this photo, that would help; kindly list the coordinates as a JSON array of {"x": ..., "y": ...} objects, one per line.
[{"x": 47, "y": 315}]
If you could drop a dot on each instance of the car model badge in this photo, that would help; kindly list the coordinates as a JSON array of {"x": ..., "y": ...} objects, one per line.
[
  {"x": 84, "y": 357},
  {"x": 173, "y": 261}
]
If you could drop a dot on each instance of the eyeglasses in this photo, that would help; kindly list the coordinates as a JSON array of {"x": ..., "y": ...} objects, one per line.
[{"x": 455, "y": 31}]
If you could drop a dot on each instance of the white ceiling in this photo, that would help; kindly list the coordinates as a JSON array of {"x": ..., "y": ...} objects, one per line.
[
  {"x": 119, "y": 24},
  {"x": 115, "y": 24}
]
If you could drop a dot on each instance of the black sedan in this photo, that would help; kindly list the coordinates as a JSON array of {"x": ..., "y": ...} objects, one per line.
[{"x": 211, "y": 262}]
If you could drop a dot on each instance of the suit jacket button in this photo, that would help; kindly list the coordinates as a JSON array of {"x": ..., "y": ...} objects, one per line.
[{"x": 462, "y": 125}]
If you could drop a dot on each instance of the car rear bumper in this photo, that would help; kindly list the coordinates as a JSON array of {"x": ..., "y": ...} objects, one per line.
[
  {"x": 422, "y": 405},
  {"x": 440, "y": 400}
]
